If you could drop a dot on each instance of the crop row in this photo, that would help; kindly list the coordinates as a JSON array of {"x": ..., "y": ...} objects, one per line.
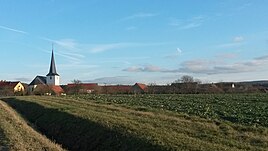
[{"x": 246, "y": 109}]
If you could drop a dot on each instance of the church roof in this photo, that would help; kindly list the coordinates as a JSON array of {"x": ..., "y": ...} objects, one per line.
[
  {"x": 39, "y": 80},
  {"x": 8, "y": 84},
  {"x": 52, "y": 70}
]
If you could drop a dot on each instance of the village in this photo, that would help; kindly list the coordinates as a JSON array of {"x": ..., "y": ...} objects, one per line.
[{"x": 50, "y": 85}]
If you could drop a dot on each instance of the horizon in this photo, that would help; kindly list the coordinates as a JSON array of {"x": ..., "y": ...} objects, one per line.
[{"x": 135, "y": 41}]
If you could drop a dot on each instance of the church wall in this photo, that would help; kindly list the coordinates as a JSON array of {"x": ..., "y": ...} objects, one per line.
[{"x": 53, "y": 80}]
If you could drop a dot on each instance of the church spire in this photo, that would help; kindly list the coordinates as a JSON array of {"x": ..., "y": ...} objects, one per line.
[{"x": 52, "y": 70}]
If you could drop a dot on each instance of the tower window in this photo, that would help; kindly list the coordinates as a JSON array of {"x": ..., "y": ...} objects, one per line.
[{"x": 50, "y": 78}]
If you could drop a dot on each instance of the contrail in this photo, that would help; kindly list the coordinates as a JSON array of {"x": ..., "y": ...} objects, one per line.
[{"x": 14, "y": 30}]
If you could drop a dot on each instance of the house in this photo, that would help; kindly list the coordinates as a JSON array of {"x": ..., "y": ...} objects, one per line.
[
  {"x": 82, "y": 88},
  {"x": 38, "y": 80},
  {"x": 56, "y": 89},
  {"x": 139, "y": 88},
  {"x": 11, "y": 88},
  {"x": 44, "y": 89},
  {"x": 49, "y": 84}
]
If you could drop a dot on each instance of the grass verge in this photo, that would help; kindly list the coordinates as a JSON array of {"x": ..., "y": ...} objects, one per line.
[
  {"x": 17, "y": 135},
  {"x": 85, "y": 125}
]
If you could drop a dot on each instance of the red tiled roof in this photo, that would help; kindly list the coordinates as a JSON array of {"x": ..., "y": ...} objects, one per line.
[
  {"x": 84, "y": 85},
  {"x": 8, "y": 84},
  {"x": 118, "y": 87},
  {"x": 56, "y": 89},
  {"x": 142, "y": 86}
]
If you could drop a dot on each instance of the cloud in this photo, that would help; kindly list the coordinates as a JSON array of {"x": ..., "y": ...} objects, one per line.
[
  {"x": 113, "y": 80},
  {"x": 131, "y": 28},
  {"x": 139, "y": 15},
  {"x": 229, "y": 45},
  {"x": 122, "y": 60},
  {"x": 73, "y": 46},
  {"x": 236, "y": 42},
  {"x": 13, "y": 30},
  {"x": 69, "y": 44},
  {"x": 175, "y": 22},
  {"x": 147, "y": 68},
  {"x": 265, "y": 57},
  {"x": 209, "y": 67},
  {"x": 191, "y": 25},
  {"x": 179, "y": 51},
  {"x": 227, "y": 56},
  {"x": 71, "y": 49},
  {"x": 67, "y": 48},
  {"x": 193, "y": 22},
  {"x": 238, "y": 39},
  {"x": 93, "y": 48},
  {"x": 174, "y": 55},
  {"x": 106, "y": 47},
  {"x": 23, "y": 79},
  {"x": 212, "y": 67},
  {"x": 77, "y": 66}
]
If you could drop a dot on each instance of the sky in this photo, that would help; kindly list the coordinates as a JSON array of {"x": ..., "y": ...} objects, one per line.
[{"x": 123, "y": 42}]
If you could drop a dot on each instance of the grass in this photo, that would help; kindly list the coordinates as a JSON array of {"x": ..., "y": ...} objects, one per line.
[
  {"x": 90, "y": 124},
  {"x": 246, "y": 109},
  {"x": 16, "y": 135},
  {"x": 3, "y": 141}
]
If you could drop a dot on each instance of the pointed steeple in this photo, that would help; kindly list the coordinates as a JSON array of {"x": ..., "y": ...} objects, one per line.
[{"x": 52, "y": 70}]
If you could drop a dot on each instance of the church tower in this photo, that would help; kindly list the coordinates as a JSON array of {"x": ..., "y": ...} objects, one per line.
[{"x": 53, "y": 78}]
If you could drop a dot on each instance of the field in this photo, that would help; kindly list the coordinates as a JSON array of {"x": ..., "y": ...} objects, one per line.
[
  {"x": 16, "y": 134},
  {"x": 149, "y": 122},
  {"x": 246, "y": 109}
]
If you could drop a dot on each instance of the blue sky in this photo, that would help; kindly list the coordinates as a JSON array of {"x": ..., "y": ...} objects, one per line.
[{"x": 123, "y": 42}]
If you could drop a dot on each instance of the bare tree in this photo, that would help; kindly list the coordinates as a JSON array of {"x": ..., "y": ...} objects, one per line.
[
  {"x": 152, "y": 87},
  {"x": 42, "y": 90},
  {"x": 6, "y": 91},
  {"x": 76, "y": 88},
  {"x": 76, "y": 81},
  {"x": 187, "y": 79},
  {"x": 186, "y": 84},
  {"x": 198, "y": 81}
]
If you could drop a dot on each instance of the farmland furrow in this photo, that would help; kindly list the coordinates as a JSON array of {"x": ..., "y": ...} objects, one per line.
[
  {"x": 151, "y": 124},
  {"x": 20, "y": 136}
]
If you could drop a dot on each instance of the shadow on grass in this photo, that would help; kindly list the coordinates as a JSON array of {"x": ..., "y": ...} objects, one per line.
[
  {"x": 75, "y": 133},
  {"x": 3, "y": 141}
]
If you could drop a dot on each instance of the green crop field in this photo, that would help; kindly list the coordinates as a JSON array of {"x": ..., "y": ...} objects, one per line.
[
  {"x": 150, "y": 122},
  {"x": 247, "y": 109}
]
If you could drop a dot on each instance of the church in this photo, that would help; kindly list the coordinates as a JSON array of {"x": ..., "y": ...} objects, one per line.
[{"x": 49, "y": 84}]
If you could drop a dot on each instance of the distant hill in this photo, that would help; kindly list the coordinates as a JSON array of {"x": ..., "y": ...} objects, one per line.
[{"x": 263, "y": 83}]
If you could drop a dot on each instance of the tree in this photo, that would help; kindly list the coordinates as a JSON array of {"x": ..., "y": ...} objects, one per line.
[
  {"x": 76, "y": 81},
  {"x": 6, "y": 91},
  {"x": 151, "y": 88},
  {"x": 77, "y": 86},
  {"x": 185, "y": 84},
  {"x": 42, "y": 90},
  {"x": 187, "y": 79},
  {"x": 198, "y": 81}
]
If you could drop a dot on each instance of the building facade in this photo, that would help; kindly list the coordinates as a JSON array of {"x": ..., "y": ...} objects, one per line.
[{"x": 49, "y": 84}]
